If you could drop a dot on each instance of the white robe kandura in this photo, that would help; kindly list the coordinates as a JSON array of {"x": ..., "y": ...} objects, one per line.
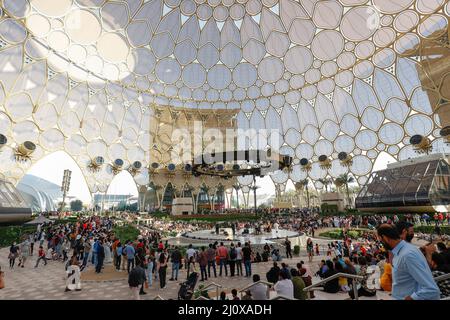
[{"x": 108, "y": 257}]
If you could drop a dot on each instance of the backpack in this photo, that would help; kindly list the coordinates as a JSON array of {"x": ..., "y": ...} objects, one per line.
[
  {"x": 233, "y": 254},
  {"x": 133, "y": 278}
]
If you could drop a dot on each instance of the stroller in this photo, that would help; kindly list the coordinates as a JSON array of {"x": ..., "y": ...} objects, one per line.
[{"x": 187, "y": 288}]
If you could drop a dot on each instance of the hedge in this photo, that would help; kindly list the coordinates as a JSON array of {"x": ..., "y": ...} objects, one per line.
[
  {"x": 431, "y": 229},
  {"x": 9, "y": 234},
  {"x": 338, "y": 234},
  {"x": 126, "y": 232}
]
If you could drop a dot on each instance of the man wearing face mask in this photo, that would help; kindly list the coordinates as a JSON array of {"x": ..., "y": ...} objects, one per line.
[
  {"x": 411, "y": 275},
  {"x": 406, "y": 230}
]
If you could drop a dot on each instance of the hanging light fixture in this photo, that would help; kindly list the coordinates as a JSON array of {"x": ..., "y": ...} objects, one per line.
[
  {"x": 421, "y": 144},
  {"x": 305, "y": 164},
  {"x": 345, "y": 159},
  {"x": 23, "y": 152},
  {"x": 324, "y": 162},
  {"x": 96, "y": 164}
]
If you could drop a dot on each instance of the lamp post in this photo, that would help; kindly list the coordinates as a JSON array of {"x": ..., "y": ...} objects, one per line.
[{"x": 65, "y": 188}]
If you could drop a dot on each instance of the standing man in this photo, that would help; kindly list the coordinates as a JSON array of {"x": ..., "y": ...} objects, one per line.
[
  {"x": 239, "y": 259},
  {"x": 211, "y": 254},
  {"x": 232, "y": 260},
  {"x": 176, "y": 260},
  {"x": 190, "y": 253},
  {"x": 287, "y": 243},
  {"x": 411, "y": 275},
  {"x": 247, "y": 257},
  {"x": 100, "y": 256},
  {"x": 223, "y": 255},
  {"x": 130, "y": 252},
  {"x": 405, "y": 230}
]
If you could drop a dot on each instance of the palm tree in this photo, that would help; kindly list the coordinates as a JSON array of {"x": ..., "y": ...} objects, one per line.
[
  {"x": 304, "y": 183},
  {"x": 237, "y": 187},
  {"x": 344, "y": 180},
  {"x": 326, "y": 182}
]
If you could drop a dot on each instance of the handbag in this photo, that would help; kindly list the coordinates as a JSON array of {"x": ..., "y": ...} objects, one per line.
[{"x": 146, "y": 284}]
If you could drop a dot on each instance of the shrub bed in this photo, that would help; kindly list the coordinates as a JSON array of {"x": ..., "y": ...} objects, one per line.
[
  {"x": 9, "y": 234},
  {"x": 338, "y": 234},
  {"x": 431, "y": 229},
  {"x": 126, "y": 232}
]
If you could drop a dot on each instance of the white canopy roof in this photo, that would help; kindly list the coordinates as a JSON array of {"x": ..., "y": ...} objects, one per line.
[{"x": 330, "y": 76}]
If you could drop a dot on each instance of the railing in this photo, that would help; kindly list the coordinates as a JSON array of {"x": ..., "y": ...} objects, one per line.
[
  {"x": 282, "y": 297},
  {"x": 269, "y": 284},
  {"x": 442, "y": 278},
  {"x": 213, "y": 284},
  {"x": 337, "y": 275}
]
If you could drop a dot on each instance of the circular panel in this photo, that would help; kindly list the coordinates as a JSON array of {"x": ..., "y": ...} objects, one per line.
[
  {"x": 52, "y": 8},
  {"x": 407, "y": 152},
  {"x": 407, "y": 44},
  {"x": 25, "y": 131},
  {"x": 12, "y": 31},
  {"x": 391, "y": 133},
  {"x": 323, "y": 147},
  {"x": 237, "y": 11},
  {"x": 141, "y": 61},
  {"x": 279, "y": 176},
  {"x": 52, "y": 140},
  {"x": 337, "y": 169},
  {"x": 361, "y": 165},
  {"x": 435, "y": 25},
  {"x": 393, "y": 149},
  {"x": 17, "y": 8},
  {"x": 19, "y": 106},
  {"x": 364, "y": 49},
  {"x": 38, "y": 25},
  {"x": 384, "y": 58},
  {"x": 219, "y": 77},
  {"x": 297, "y": 174},
  {"x": 327, "y": 45},
  {"x": 384, "y": 36},
  {"x": 298, "y": 59},
  {"x": 194, "y": 75},
  {"x": 363, "y": 69},
  {"x": 82, "y": 26},
  {"x": 270, "y": 69},
  {"x": 188, "y": 7},
  {"x": 360, "y": 23},
  {"x": 244, "y": 75},
  {"x": 389, "y": 6},
  {"x": 419, "y": 124},
  {"x": 46, "y": 116},
  {"x": 168, "y": 70},
  {"x": 58, "y": 40},
  {"x": 362, "y": 180},
  {"x": 112, "y": 47},
  {"x": 428, "y": 6},
  {"x": 117, "y": 151},
  {"x": 366, "y": 139},
  {"x": 316, "y": 172},
  {"x": 406, "y": 21},
  {"x": 220, "y": 13},
  {"x": 344, "y": 143}
]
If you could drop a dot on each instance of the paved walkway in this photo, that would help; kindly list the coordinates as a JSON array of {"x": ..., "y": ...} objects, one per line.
[{"x": 48, "y": 282}]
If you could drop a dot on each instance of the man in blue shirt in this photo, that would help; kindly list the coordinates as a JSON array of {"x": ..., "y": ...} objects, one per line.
[
  {"x": 411, "y": 275},
  {"x": 130, "y": 252}
]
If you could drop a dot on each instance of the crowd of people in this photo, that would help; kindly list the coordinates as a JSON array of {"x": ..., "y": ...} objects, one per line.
[{"x": 91, "y": 242}]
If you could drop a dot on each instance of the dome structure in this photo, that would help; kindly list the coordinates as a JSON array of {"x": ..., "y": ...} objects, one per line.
[{"x": 322, "y": 78}]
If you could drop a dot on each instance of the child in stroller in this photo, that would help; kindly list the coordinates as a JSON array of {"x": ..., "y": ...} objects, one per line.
[{"x": 187, "y": 288}]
